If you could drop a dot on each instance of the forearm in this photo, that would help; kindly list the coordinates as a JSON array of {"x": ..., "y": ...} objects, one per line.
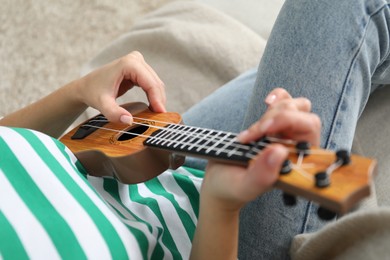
[
  {"x": 99, "y": 89},
  {"x": 51, "y": 115},
  {"x": 216, "y": 234}
]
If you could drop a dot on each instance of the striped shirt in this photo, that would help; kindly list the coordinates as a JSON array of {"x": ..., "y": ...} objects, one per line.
[{"x": 51, "y": 209}]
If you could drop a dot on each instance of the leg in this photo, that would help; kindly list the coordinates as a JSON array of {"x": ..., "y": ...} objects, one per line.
[
  {"x": 225, "y": 109},
  {"x": 333, "y": 52}
]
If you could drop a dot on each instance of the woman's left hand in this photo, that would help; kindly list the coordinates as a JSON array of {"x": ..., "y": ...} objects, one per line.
[{"x": 233, "y": 186}]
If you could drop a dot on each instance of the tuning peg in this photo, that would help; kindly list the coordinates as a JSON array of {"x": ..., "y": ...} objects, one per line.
[
  {"x": 325, "y": 214},
  {"x": 289, "y": 200},
  {"x": 343, "y": 157},
  {"x": 303, "y": 148},
  {"x": 322, "y": 180},
  {"x": 286, "y": 167}
]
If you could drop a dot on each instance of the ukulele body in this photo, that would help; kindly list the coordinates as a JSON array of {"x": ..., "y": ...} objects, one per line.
[{"x": 110, "y": 151}]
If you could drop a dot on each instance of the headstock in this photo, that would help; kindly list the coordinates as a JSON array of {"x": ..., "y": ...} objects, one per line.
[{"x": 335, "y": 180}]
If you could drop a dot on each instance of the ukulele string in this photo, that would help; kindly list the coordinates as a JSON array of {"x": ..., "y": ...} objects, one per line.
[
  {"x": 302, "y": 171},
  {"x": 188, "y": 133},
  {"x": 269, "y": 138},
  {"x": 298, "y": 167},
  {"x": 334, "y": 166},
  {"x": 162, "y": 139},
  {"x": 191, "y": 133}
]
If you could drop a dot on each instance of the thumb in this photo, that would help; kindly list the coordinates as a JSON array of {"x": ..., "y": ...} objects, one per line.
[
  {"x": 264, "y": 169},
  {"x": 115, "y": 113}
]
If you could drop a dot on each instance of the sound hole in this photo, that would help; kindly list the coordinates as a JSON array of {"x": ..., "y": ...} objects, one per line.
[{"x": 133, "y": 132}]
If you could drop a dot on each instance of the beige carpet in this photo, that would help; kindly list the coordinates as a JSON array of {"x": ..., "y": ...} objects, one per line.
[{"x": 43, "y": 44}]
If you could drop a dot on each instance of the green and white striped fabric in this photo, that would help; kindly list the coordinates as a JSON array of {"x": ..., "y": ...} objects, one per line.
[{"x": 50, "y": 209}]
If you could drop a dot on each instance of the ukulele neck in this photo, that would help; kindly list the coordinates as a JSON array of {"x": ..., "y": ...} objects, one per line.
[{"x": 205, "y": 143}]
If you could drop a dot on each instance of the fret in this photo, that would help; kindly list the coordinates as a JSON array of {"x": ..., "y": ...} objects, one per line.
[
  {"x": 182, "y": 136},
  {"x": 253, "y": 151},
  {"x": 207, "y": 141},
  {"x": 226, "y": 146},
  {"x": 164, "y": 139},
  {"x": 174, "y": 133},
  {"x": 186, "y": 132},
  {"x": 198, "y": 140},
  {"x": 159, "y": 137},
  {"x": 217, "y": 142}
]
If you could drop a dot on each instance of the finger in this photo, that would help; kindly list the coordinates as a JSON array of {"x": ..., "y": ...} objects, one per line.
[
  {"x": 293, "y": 125},
  {"x": 153, "y": 72},
  {"x": 260, "y": 128},
  {"x": 277, "y": 95},
  {"x": 140, "y": 74},
  {"x": 238, "y": 185},
  {"x": 255, "y": 131},
  {"x": 298, "y": 126},
  {"x": 160, "y": 83},
  {"x": 301, "y": 104},
  {"x": 156, "y": 97},
  {"x": 125, "y": 86},
  {"x": 113, "y": 112},
  {"x": 265, "y": 167}
]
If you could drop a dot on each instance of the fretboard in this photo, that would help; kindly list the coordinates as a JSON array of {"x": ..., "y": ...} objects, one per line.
[{"x": 201, "y": 142}]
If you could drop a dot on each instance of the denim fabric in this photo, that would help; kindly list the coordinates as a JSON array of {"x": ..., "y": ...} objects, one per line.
[
  {"x": 334, "y": 52},
  {"x": 225, "y": 109}
]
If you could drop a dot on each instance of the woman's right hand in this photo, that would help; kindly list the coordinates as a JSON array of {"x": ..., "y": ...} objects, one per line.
[{"x": 100, "y": 88}]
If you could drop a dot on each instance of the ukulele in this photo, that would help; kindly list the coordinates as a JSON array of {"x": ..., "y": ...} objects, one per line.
[{"x": 158, "y": 141}]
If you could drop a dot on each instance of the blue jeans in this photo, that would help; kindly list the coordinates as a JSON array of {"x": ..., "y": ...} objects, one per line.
[{"x": 334, "y": 52}]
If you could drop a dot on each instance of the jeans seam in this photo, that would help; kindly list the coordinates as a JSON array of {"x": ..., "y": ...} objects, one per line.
[
  {"x": 358, "y": 51},
  {"x": 348, "y": 78},
  {"x": 388, "y": 51},
  {"x": 306, "y": 217}
]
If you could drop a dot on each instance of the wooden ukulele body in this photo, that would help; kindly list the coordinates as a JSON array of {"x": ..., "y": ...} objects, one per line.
[{"x": 103, "y": 153}]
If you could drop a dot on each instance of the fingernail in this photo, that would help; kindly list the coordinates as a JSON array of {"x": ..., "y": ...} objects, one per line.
[
  {"x": 270, "y": 99},
  {"x": 126, "y": 119}
]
